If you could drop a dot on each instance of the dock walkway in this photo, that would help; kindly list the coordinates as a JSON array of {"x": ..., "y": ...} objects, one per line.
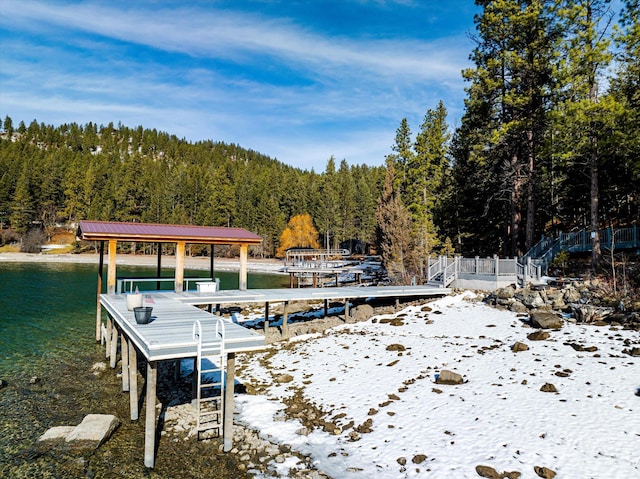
[{"x": 169, "y": 335}]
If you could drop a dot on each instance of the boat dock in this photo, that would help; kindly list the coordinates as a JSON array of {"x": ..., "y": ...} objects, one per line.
[
  {"x": 169, "y": 335},
  {"x": 183, "y": 323}
]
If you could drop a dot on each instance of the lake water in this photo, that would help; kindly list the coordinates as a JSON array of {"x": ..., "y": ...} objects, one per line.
[
  {"x": 47, "y": 354},
  {"x": 47, "y": 311}
]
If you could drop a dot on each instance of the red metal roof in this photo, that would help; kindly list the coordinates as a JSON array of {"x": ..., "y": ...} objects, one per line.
[{"x": 159, "y": 233}]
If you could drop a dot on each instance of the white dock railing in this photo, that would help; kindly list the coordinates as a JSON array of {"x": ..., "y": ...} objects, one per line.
[
  {"x": 128, "y": 285},
  {"x": 442, "y": 270}
]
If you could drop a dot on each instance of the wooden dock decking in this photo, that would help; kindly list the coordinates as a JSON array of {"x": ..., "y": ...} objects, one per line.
[{"x": 169, "y": 335}]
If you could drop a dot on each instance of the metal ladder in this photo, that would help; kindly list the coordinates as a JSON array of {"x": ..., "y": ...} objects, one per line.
[{"x": 210, "y": 364}]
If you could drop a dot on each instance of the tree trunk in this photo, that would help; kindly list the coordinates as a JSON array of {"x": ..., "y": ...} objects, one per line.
[
  {"x": 531, "y": 201},
  {"x": 595, "y": 235},
  {"x": 514, "y": 213}
]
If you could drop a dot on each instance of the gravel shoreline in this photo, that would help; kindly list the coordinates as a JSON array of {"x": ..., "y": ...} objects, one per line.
[{"x": 254, "y": 265}]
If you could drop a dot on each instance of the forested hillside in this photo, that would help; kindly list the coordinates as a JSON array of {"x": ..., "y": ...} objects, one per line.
[
  {"x": 549, "y": 141},
  {"x": 52, "y": 174}
]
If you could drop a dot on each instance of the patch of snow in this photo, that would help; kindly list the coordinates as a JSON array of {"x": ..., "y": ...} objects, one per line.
[{"x": 384, "y": 372}]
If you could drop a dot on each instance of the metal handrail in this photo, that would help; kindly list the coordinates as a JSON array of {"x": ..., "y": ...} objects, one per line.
[{"x": 127, "y": 284}]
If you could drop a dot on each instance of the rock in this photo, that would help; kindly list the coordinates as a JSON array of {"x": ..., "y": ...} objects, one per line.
[
  {"x": 92, "y": 431},
  {"x": 505, "y": 293},
  {"x": 292, "y": 308},
  {"x": 571, "y": 295},
  {"x": 544, "y": 320},
  {"x": 395, "y": 347},
  {"x": 531, "y": 298},
  {"x": 511, "y": 474},
  {"x": 88, "y": 435},
  {"x": 418, "y": 458},
  {"x": 632, "y": 351},
  {"x": 488, "y": 471},
  {"x": 449, "y": 377},
  {"x": 586, "y": 313},
  {"x": 548, "y": 388},
  {"x": 284, "y": 378},
  {"x": 538, "y": 335},
  {"x": 402, "y": 461},
  {"x": 362, "y": 312},
  {"x": 518, "y": 347},
  {"x": 34, "y": 380},
  {"x": 554, "y": 295},
  {"x": 56, "y": 434},
  {"x": 544, "y": 472},
  {"x": 3, "y": 383},
  {"x": 518, "y": 307}
]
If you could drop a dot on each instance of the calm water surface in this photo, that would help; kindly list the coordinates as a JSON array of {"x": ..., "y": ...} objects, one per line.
[{"x": 47, "y": 311}]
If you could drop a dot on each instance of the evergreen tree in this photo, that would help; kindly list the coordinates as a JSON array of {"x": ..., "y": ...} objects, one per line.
[
  {"x": 508, "y": 104},
  {"x": 586, "y": 115},
  {"x": 22, "y": 208},
  {"x": 626, "y": 89},
  {"x": 425, "y": 176},
  {"x": 8, "y": 126},
  {"x": 394, "y": 231},
  {"x": 402, "y": 157},
  {"x": 326, "y": 208}
]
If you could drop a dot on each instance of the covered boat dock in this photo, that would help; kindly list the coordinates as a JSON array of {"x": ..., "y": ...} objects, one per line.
[{"x": 169, "y": 335}]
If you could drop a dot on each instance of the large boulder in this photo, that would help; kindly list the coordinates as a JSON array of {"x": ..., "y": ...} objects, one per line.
[
  {"x": 92, "y": 431},
  {"x": 292, "y": 308},
  {"x": 88, "y": 435},
  {"x": 362, "y": 312},
  {"x": 545, "y": 320},
  {"x": 518, "y": 307},
  {"x": 518, "y": 347},
  {"x": 449, "y": 377},
  {"x": 538, "y": 335},
  {"x": 586, "y": 313},
  {"x": 505, "y": 293},
  {"x": 571, "y": 295},
  {"x": 531, "y": 298}
]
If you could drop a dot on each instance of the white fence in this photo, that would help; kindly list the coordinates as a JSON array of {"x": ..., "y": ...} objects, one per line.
[{"x": 481, "y": 273}]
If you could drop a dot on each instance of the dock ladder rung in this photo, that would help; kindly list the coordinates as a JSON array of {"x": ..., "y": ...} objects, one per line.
[{"x": 209, "y": 409}]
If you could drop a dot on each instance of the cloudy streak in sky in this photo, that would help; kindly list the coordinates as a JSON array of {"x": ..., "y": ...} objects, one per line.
[{"x": 281, "y": 78}]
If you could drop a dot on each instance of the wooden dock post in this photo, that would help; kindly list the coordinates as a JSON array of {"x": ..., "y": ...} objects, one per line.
[
  {"x": 107, "y": 340},
  {"x": 242, "y": 277},
  {"x": 124, "y": 345},
  {"x": 227, "y": 425},
  {"x": 285, "y": 318},
  {"x": 111, "y": 269},
  {"x": 113, "y": 356},
  {"x": 179, "y": 266},
  {"x": 133, "y": 381},
  {"x": 150, "y": 413},
  {"x": 99, "y": 306},
  {"x": 266, "y": 318}
]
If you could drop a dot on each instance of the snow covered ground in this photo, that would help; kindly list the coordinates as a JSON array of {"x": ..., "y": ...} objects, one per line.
[{"x": 385, "y": 417}]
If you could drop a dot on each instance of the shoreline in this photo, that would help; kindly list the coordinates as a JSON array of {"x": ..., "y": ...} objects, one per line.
[{"x": 254, "y": 265}]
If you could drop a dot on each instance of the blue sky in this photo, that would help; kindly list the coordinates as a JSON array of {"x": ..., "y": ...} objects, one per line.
[{"x": 300, "y": 81}]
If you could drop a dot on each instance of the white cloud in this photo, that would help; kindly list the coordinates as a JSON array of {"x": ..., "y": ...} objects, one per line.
[{"x": 269, "y": 85}]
